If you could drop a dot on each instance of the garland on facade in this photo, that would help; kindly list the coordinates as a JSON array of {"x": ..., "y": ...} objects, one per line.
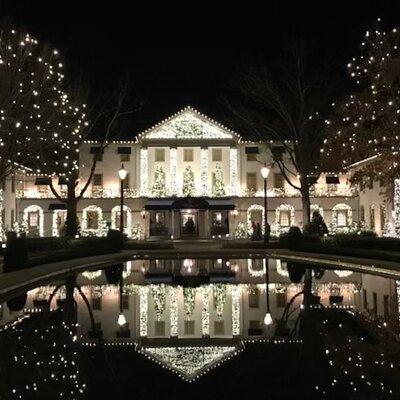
[
  {"x": 159, "y": 188},
  {"x": 189, "y": 299},
  {"x": 159, "y": 292},
  {"x": 219, "y": 292},
  {"x": 188, "y": 188},
  {"x": 218, "y": 187},
  {"x": 20, "y": 228}
]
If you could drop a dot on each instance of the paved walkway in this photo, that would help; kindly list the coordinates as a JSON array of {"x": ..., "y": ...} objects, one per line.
[{"x": 30, "y": 277}]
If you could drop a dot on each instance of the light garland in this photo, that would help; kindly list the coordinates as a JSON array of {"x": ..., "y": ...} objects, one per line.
[
  {"x": 91, "y": 275},
  {"x": 144, "y": 172},
  {"x": 143, "y": 309},
  {"x": 280, "y": 270},
  {"x": 159, "y": 185},
  {"x": 218, "y": 186},
  {"x": 284, "y": 208},
  {"x": 35, "y": 208},
  {"x": 173, "y": 168},
  {"x": 205, "y": 311},
  {"x": 204, "y": 171},
  {"x": 173, "y": 299},
  {"x": 188, "y": 188},
  {"x": 159, "y": 295},
  {"x": 189, "y": 300},
  {"x": 101, "y": 229},
  {"x": 114, "y": 214},
  {"x": 236, "y": 293},
  {"x": 233, "y": 169},
  {"x": 255, "y": 207},
  {"x": 219, "y": 295},
  {"x": 256, "y": 273},
  {"x": 55, "y": 227},
  {"x": 316, "y": 207}
]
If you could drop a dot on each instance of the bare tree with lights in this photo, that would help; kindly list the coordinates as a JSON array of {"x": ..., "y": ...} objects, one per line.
[
  {"x": 105, "y": 117},
  {"x": 283, "y": 105}
]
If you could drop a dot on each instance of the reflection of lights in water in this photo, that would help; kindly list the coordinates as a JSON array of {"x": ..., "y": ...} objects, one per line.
[
  {"x": 280, "y": 269},
  {"x": 255, "y": 273},
  {"x": 92, "y": 274},
  {"x": 121, "y": 320},
  {"x": 342, "y": 273},
  {"x": 189, "y": 267},
  {"x": 127, "y": 269}
]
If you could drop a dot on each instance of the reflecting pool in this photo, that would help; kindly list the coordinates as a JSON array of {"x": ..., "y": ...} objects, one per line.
[{"x": 226, "y": 328}]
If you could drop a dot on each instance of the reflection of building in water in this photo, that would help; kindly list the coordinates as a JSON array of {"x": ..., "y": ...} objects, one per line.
[{"x": 156, "y": 306}]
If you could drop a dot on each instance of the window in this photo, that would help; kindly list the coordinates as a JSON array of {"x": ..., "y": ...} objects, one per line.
[
  {"x": 159, "y": 328},
  {"x": 382, "y": 211},
  {"x": 372, "y": 216},
  {"x": 124, "y": 157},
  {"x": 219, "y": 328},
  {"x": 33, "y": 218},
  {"x": 99, "y": 157},
  {"x": 118, "y": 218},
  {"x": 284, "y": 218},
  {"x": 160, "y": 155},
  {"x": 96, "y": 303},
  {"x": 217, "y": 154},
  {"x": 98, "y": 180},
  {"x": 279, "y": 182},
  {"x": 365, "y": 299},
  {"x": 125, "y": 182},
  {"x": 341, "y": 218},
  {"x": 189, "y": 327},
  {"x": 188, "y": 155},
  {"x": 251, "y": 157},
  {"x": 92, "y": 219},
  {"x": 254, "y": 298},
  {"x": 362, "y": 214},
  {"x": 13, "y": 184},
  {"x": 251, "y": 180}
]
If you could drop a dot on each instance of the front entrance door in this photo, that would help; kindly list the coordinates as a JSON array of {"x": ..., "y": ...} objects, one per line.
[{"x": 189, "y": 223}]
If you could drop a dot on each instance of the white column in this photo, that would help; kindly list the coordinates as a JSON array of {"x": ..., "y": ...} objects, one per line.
[
  {"x": 144, "y": 172},
  {"x": 173, "y": 310},
  {"x": 143, "y": 309},
  {"x": 235, "y": 293},
  {"x": 173, "y": 165},
  {"x": 204, "y": 171},
  {"x": 233, "y": 171}
]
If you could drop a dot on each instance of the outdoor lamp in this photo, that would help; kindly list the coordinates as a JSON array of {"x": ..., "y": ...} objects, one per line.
[
  {"x": 265, "y": 172},
  {"x": 121, "y": 319},
  {"x": 268, "y": 319},
  {"x": 122, "y": 172}
]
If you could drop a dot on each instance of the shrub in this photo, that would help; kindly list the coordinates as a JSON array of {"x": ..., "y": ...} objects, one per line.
[
  {"x": 16, "y": 255},
  {"x": 293, "y": 239},
  {"x": 114, "y": 273},
  {"x": 115, "y": 240}
]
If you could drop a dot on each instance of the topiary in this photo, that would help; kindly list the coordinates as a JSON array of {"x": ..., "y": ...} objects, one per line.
[{"x": 293, "y": 239}]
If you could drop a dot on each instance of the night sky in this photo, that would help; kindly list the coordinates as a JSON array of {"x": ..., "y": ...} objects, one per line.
[{"x": 186, "y": 55}]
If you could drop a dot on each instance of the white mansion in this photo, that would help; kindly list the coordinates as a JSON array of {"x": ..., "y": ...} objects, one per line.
[{"x": 186, "y": 168}]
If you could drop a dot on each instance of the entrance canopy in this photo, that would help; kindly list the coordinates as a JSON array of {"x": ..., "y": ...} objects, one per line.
[{"x": 184, "y": 203}]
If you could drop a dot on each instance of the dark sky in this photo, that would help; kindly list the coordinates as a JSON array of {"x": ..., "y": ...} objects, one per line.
[{"x": 185, "y": 54}]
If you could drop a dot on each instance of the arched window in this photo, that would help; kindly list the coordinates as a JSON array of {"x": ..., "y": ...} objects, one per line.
[
  {"x": 34, "y": 220},
  {"x": 115, "y": 219},
  {"x": 255, "y": 214},
  {"x": 59, "y": 218},
  {"x": 91, "y": 218},
  {"x": 341, "y": 216},
  {"x": 284, "y": 216}
]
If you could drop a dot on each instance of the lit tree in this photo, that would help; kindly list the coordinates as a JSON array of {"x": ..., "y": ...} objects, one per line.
[
  {"x": 105, "y": 117},
  {"x": 159, "y": 189},
  {"x": 365, "y": 124},
  {"x": 218, "y": 187},
  {"x": 283, "y": 105},
  {"x": 188, "y": 182},
  {"x": 32, "y": 99}
]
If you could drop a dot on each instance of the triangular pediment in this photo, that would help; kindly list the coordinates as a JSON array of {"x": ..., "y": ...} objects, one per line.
[
  {"x": 189, "y": 362},
  {"x": 188, "y": 124}
]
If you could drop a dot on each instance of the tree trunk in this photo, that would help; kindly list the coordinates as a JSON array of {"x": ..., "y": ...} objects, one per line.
[
  {"x": 71, "y": 222},
  {"x": 305, "y": 202}
]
